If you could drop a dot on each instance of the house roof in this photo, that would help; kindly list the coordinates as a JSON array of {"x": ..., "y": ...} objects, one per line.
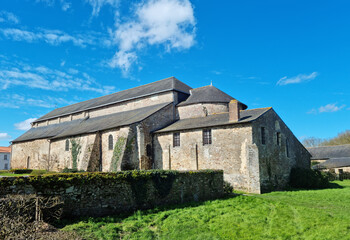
[
  {"x": 327, "y": 152},
  {"x": 208, "y": 94},
  {"x": 168, "y": 84},
  {"x": 90, "y": 125},
  {"x": 5, "y": 149},
  {"x": 334, "y": 163},
  {"x": 214, "y": 120}
]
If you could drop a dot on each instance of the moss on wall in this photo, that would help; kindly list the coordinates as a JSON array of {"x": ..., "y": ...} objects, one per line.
[
  {"x": 76, "y": 147},
  {"x": 117, "y": 153}
]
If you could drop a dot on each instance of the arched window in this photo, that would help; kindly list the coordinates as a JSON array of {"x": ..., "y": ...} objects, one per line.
[
  {"x": 67, "y": 145},
  {"x": 110, "y": 142}
]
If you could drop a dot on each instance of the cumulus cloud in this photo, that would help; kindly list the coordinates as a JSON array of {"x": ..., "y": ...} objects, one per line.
[
  {"x": 170, "y": 23},
  {"x": 8, "y": 17},
  {"x": 4, "y": 136},
  {"x": 297, "y": 79},
  {"x": 41, "y": 77},
  {"x": 25, "y": 125},
  {"x": 52, "y": 37}
]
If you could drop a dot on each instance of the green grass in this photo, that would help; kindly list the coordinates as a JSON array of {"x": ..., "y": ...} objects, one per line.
[
  {"x": 7, "y": 173},
  {"x": 313, "y": 214}
]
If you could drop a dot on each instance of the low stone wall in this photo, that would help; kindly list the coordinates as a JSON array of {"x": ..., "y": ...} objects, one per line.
[{"x": 99, "y": 194}]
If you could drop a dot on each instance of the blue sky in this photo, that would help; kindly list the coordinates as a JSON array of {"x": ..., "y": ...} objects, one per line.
[{"x": 291, "y": 55}]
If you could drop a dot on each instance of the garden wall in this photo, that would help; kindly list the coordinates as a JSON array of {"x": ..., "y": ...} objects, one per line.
[{"x": 99, "y": 194}]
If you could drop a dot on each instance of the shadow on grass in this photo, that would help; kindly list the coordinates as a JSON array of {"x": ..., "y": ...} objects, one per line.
[
  {"x": 119, "y": 217},
  {"x": 331, "y": 185}
]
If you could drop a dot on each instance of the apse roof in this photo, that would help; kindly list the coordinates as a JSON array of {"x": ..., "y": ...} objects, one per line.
[{"x": 208, "y": 94}]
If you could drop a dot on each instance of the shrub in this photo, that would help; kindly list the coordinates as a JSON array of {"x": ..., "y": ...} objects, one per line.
[
  {"x": 308, "y": 179},
  {"x": 21, "y": 171},
  {"x": 71, "y": 170},
  {"x": 228, "y": 189}
]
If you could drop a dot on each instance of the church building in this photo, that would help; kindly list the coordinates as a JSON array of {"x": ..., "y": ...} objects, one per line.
[{"x": 166, "y": 125}]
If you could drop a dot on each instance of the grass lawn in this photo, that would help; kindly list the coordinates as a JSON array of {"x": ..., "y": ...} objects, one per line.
[{"x": 307, "y": 214}]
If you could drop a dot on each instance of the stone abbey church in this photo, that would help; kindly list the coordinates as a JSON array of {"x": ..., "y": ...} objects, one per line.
[{"x": 166, "y": 125}]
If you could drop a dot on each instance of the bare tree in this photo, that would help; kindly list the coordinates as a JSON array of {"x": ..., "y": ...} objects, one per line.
[
  {"x": 313, "y": 142},
  {"x": 49, "y": 161}
]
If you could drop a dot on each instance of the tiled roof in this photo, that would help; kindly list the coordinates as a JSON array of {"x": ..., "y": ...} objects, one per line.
[
  {"x": 5, "y": 149},
  {"x": 326, "y": 152},
  {"x": 214, "y": 120},
  {"x": 168, "y": 84},
  {"x": 208, "y": 94},
  {"x": 90, "y": 125}
]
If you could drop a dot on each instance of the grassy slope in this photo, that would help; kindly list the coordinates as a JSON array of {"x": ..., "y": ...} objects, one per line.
[
  {"x": 7, "y": 173},
  {"x": 314, "y": 214}
]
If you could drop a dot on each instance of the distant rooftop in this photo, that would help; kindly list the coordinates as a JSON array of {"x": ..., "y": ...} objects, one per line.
[
  {"x": 5, "y": 149},
  {"x": 208, "y": 94},
  {"x": 168, "y": 84},
  {"x": 328, "y": 152}
]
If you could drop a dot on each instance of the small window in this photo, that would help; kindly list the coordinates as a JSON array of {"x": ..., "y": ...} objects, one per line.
[
  {"x": 287, "y": 147},
  {"x": 263, "y": 136},
  {"x": 278, "y": 138},
  {"x": 6, "y": 166},
  {"x": 206, "y": 136},
  {"x": 110, "y": 142},
  {"x": 5, "y": 157},
  {"x": 67, "y": 145},
  {"x": 176, "y": 139}
]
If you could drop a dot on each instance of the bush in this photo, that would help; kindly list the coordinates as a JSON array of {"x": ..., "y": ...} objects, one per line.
[
  {"x": 228, "y": 189},
  {"x": 308, "y": 179},
  {"x": 21, "y": 171},
  {"x": 71, "y": 170}
]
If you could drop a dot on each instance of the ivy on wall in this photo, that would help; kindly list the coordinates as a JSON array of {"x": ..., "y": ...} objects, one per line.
[
  {"x": 76, "y": 147},
  {"x": 117, "y": 153}
]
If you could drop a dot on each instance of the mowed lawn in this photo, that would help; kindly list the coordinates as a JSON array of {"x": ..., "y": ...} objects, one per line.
[{"x": 306, "y": 214}]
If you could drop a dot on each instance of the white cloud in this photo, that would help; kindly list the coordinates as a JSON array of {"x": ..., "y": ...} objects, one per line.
[
  {"x": 331, "y": 108},
  {"x": 4, "y": 136},
  {"x": 44, "y": 78},
  {"x": 297, "y": 79},
  {"x": 8, "y": 17},
  {"x": 98, "y": 4},
  {"x": 170, "y": 23},
  {"x": 25, "y": 125},
  {"x": 65, "y": 5},
  {"x": 52, "y": 37}
]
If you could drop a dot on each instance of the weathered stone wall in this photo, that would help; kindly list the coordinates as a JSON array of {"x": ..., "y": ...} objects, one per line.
[
  {"x": 200, "y": 110},
  {"x": 32, "y": 150},
  {"x": 275, "y": 165},
  {"x": 231, "y": 150},
  {"x": 92, "y": 194},
  {"x": 86, "y": 144},
  {"x": 114, "y": 108}
]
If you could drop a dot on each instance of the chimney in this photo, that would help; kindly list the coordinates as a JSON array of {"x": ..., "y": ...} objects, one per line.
[{"x": 233, "y": 109}]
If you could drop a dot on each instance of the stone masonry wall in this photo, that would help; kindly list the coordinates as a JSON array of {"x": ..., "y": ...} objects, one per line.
[
  {"x": 114, "y": 108},
  {"x": 200, "y": 110},
  {"x": 231, "y": 150},
  {"x": 29, "y": 154},
  {"x": 275, "y": 165},
  {"x": 99, "y": 194}
]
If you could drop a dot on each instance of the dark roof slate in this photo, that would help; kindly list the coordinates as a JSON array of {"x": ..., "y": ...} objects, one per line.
[
  {"x": 168, "y": 84},
  {"x": 334, "y": 163},
  {"x": 326, "y": 152},
  {"x": 208, "y": 94},
  {"x": 90, "y": 125},
  {"x": 214, "y": 120}
]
